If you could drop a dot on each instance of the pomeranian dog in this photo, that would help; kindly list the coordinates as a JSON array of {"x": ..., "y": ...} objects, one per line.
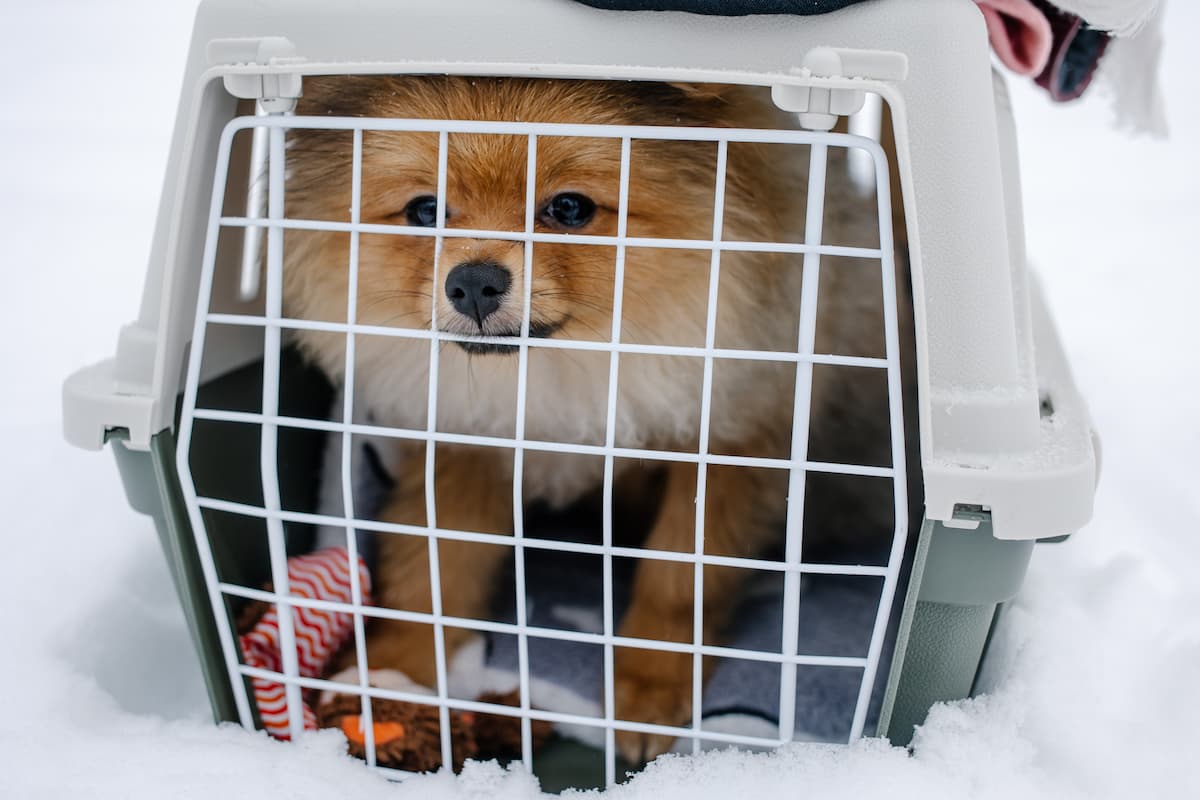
[{"x": 477, "y": 285}]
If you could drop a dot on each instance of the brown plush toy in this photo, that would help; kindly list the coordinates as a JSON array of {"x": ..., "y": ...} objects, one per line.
[{"x": 407, "y": 735}]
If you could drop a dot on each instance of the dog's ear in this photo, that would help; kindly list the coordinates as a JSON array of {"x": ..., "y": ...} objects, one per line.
[
  {"x": 702, "y": 92},
  {"x": 680, "y": 103},
  {"x": 722, "y": 104},
  {"x": 339, "y": 95}
]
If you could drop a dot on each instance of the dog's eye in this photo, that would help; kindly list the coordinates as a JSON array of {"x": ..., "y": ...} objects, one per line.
[
  {"x": 421, "y": 211},
  {"x": 570, "y": 209}
]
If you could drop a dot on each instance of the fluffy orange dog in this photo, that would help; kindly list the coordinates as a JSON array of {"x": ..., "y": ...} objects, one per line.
[{"x": 477, "y": 286}]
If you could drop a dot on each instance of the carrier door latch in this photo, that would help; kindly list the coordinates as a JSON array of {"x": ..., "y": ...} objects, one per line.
[
  {"x": 269, "y": 79},
  {"x": 819, "y": 107}
]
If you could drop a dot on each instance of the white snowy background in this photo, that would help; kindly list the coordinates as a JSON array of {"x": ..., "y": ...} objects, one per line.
[{"x": 1096, "y": 683}]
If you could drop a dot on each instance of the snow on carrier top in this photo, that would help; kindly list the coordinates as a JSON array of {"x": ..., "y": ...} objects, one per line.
[{"x": 1004, "y": 440}]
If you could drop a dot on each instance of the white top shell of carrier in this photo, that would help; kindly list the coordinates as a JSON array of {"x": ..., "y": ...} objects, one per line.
[{"x": 1002, "y": 431}]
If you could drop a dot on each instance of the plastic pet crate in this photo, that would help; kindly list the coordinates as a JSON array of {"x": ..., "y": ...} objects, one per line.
[{"x": 223, "y": 434}]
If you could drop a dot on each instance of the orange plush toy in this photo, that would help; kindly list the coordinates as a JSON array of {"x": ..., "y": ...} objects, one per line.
[{"x": 407, "y": 735}]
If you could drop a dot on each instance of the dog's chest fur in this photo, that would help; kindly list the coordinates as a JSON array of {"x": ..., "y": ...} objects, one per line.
[{"x": 658, "y": 405}]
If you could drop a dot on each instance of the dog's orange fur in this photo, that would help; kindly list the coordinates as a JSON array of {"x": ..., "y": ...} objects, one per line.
[{"x": 665, "y": 301}]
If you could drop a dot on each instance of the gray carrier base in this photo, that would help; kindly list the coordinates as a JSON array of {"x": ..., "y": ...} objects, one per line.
[{"x": 959, "y": 578}]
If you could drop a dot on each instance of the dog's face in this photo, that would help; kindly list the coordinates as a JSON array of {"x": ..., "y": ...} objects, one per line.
[{"x": 478, "y": 283}]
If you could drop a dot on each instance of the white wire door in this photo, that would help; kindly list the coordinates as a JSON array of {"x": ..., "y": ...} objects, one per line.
[{"x": 799, "y": 468}]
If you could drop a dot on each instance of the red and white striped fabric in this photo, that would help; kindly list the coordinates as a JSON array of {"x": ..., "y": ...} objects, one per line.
[{"x": 324, "y": 575}]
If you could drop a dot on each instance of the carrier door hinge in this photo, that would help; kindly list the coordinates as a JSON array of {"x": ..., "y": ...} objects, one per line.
[
  {"x": 271, "y": 79},
  {"x": 820, "y": 107}
]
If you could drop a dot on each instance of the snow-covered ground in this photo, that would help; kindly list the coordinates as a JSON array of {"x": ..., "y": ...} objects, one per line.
[{"x": 1096, "y": 684}]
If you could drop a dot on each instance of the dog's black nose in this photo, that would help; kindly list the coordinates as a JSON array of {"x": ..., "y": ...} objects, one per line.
[{"x": 475, "y": 288}]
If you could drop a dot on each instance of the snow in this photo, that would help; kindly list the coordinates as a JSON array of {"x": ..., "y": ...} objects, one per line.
[{"x": 1095, "y": 682}]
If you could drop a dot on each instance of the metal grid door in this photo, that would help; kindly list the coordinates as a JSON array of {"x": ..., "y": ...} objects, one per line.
[{"x": 798, "y": 466}]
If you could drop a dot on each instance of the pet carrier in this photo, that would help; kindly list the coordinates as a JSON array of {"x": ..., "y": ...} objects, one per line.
[{"x": 245, "y": 454}]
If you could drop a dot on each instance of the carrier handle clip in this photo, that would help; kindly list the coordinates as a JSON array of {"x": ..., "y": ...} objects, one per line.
[
  {"x": 819, "y": 107},
  {"x": 263, "y": 70}
]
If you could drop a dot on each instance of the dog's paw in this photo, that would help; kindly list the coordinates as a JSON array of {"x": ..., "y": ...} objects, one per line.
[{"x": 655, "y": 687}]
